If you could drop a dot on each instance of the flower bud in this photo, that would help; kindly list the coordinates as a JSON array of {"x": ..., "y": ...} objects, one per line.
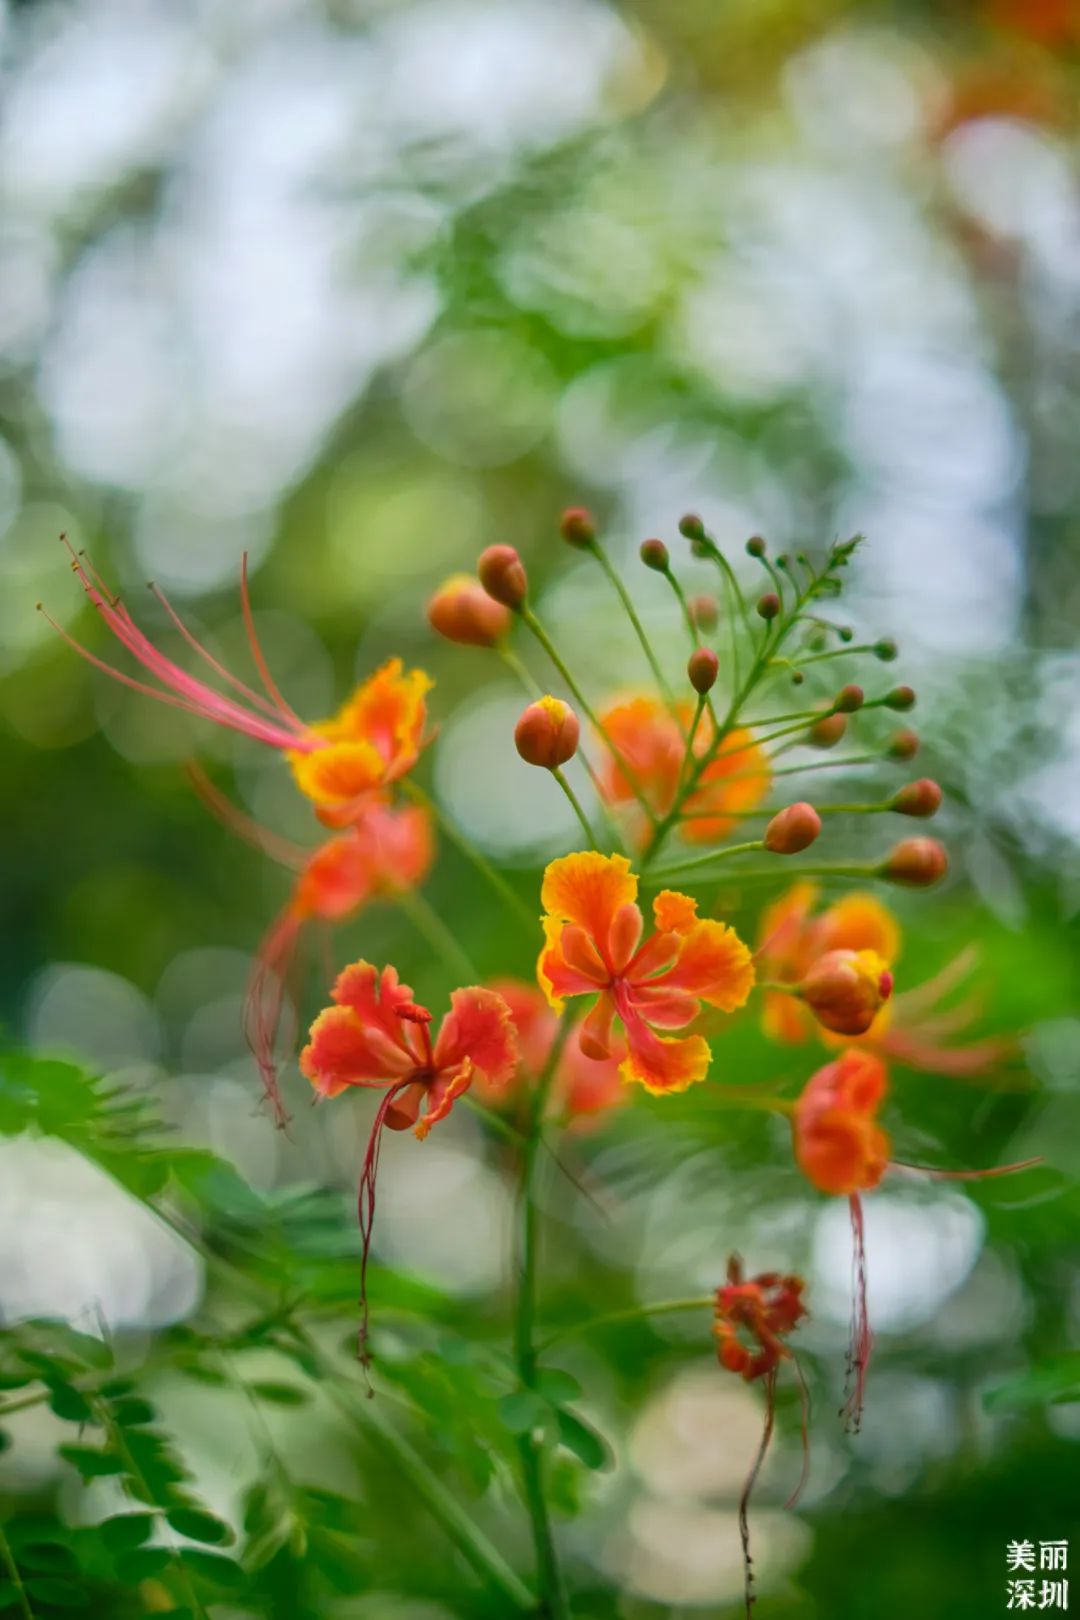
[
  {"x": 502, "y": 574},
  {"x": 849, "y": 698},
  {"x": 704, "y": 611},
  {"x": 846, "y": 633},
  {"x": 691, "y": 526},
  {"x": 654, "y": 554},
  {"x": 921, "y": 798},
  {"x": 768, "y": 606},
  {"x": 904, "y": 744},
  {"x": 915, "y": 863},
  {"x": 703, "y": 667},
  {"x": 577, "y": 527},
  {"x": 901, "y": 697},
  {"x": 886, "y": 649},
  {"x": 547, "y": 733},
  {"x": 845, "y": 990},
  {"x": 462, "y": 611},
  {"x": 827, "y": 732},
  {"x": 755, "y": 546},
  {"x": 793, "y": 829}
]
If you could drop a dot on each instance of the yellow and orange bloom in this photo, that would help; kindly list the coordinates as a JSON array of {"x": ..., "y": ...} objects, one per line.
[
  {"x": 593, "y": 931},
  {"x": 652, "y": 741},
  {"x": 845, "y": 990},
  {"x": 839, "y": 1145},
  {"x": 371, "y": 742},
  {"x": 795, "y": 936}
]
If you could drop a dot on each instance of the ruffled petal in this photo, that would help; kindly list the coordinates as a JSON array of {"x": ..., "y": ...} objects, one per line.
[
  {"x": 588, "y": 889},
  {"x": 858, "y": 922},
  {"x": 673, "y": 912},
  {"x": 337, "y": 880},
  {"x": 389, "y": 711},
  {"x": 841, "y": 1152},
  {"x": 339, "y": 774},
  {"x": 442, "y": 1094},
  {"x": 340, "y": 1053},
  {"x": 553, "y": 972},
  {"x": 377, "y": 997},
  {"x": 714, "y": 964},
  {"x": 661, "y": 1064},
  {"x": 477, "y": 1031}
]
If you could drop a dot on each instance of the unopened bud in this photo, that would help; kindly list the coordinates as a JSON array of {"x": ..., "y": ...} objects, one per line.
[
  {"x": 654, "y": 554},
  {"x": 793, "y": 829},
  {"x": 755, "y": 546},
  {"x": 903, "y": 745},
  {"x": 547, "y": 733},
  {"x": 846, "y": 633},
  {"x": 827, "y": 732},
  {"x": 703, "y": 667},
  {"x": 921, "y": 798},
  {"x": 901, "y": 697},
  {"x": 577, "y": 527},
  {"x": 845, "y": 990},
  {"x": 797, "y": 677},
  {"x": 849, "y": 698},
  {"x": 502, "y": 574},
  {"x": 768, "y": 606},
  {"x": 915, "y": 863},
  {"x": 886, "y": 649},
  {"x": 462, "y": 611},
  {"x": 704, "y": 611},
  {"x": 691, "y": 526}
]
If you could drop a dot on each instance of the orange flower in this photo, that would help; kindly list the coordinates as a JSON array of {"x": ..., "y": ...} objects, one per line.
[
  {"x": 372, "y": 741},
  {"x": 375, "y": 1035},
  {"x": 652, "y": 742},
  {"x": 583, "y": 1086},
  {"x": 839, "y": 1145},
  {"x": 793, "y": 940},
  {"x": 764, "y": 1308},
  {"x": 845, "y": 990},
  {"x": 593, "y": 930},
  {"x": 385, "y": 852}
]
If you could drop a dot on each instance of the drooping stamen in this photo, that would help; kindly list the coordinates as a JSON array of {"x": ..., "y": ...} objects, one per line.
[
  {"x": 967, "y": 1175},
  {"x": 804, "y": 1432},
  {"x": 282, "y": 850},
  {"x": 265, "y": 1003},
  {"x": 365, "y": 1209},
  {"x": 197, "y": 647},
  {"x": 751, "y": 1480},
  {"x": 862, "y": 1340}
]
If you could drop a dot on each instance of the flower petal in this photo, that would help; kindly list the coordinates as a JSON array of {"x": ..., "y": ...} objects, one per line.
[
  {"x": 340, "y": 1053},
  {"x": 376, "y": 998},
  {"x": 737, "y": 779},
  {"x": 673, "y": 912},
  {"x": 478, "y": 1030},
  {"x": 588, "y": 889},
  {"x": 442, "y": 1094},
  {"x": 661, "y": 1064},
  {"x": 647, "y": 736},
  {"x": 714, "y": 964},
  {"x": 389, "y": 711},
  {"x": 858, "y": 922},
  {"x": 339, "y": 774}
]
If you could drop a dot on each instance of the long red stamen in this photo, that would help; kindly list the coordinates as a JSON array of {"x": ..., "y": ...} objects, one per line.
[
  {"x": 287, "y": 714},
  {"x": 862, "y": 1340},
  {"x": 265, "y": 1003},
  {"x": 804, "y": 1431},
  {"x": 747, "y": 1491},
  {"x": 365, "y": 1209},
  {"x": 967, "y": 1175},
  {"x": 282, "y": 850},
  {"x": 197, "y": 647}
]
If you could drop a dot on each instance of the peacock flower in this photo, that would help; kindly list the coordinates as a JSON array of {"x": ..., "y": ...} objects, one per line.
[
  {"x": 593, "y": 931},
  {"x": 795, "y": 938},
  {"x": 338, "y": 763},
  {"x": 651, "y": 739},
  {"x": 845, "y": 990}
]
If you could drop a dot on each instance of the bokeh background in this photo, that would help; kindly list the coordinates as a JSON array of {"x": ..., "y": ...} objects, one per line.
[{"x": 358, "y": 288}]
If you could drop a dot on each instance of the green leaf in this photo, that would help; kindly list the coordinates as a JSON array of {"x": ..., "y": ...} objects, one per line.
[
  {"x": 51, "y": 1557},
  {"x": 557, "y": 1386},
  {"x": 1052, "y": 1383},
  {"x": 91, "y": 1462},
  {"x": 127, "y": 1530},
  {"x": 142, "y": 1564},
  {"x": 584, "y": 1441},
  {"x": 224, "y": 1572},
  {"x": 133, "y": 1412},
  {"x": 61, "y": 1594},
  {"x": 200, "y": 1526},
  {"x": 523, "y": 1411},
  {"x": 68, "y": 1403},
  {"x": 279, "y": 1394}
]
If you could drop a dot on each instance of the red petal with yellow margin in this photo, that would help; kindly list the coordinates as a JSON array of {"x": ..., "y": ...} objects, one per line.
[
  {"x": 478, "y": 1031},
  {"x": 663, "y": 1065}
]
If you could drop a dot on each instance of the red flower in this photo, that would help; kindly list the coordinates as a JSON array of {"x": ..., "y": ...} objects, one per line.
[{"x": 764, "y": 1309}]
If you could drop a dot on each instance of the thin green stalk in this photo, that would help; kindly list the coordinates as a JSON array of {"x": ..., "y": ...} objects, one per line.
[
  {"x": 7, "y": 1560},
  {"x": 575, "y": 805},
  {"x": 828, "y": 764},
  {"x": 427, "y": 922},
  {"x": 528, "y": 617},
  {"x": 517, "y": 668},
  {"x": 471, "y": 853},
  {"x": 836, "y": 652},
  {"x": 631, "y": 612},
  {"x": 836, "y": 869},
  {"x": 444, "y": 1508},
  {"x": 636, "y": 1313},
  {"x": 549, "y": 1576},
  {"x": 692, "y": 865}
]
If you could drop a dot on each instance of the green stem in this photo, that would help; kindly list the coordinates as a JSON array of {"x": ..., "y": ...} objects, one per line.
[
  {"x": 528, "y": 617},
  {"x": 631, "y": 612},
  {"x": 427, "y": 922},
  {"x": 549, "y": 1577},
  {"x": 575, "y": 805},
  {"x": 827, "y": 765},
  {"x": 705, "y": 860},
  {"x": 444, "y": 1508},
  {"x": 7, "y": 1559},
  {"x": 471, "y": 853},
  {"x": 636, "y": 1313}
]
